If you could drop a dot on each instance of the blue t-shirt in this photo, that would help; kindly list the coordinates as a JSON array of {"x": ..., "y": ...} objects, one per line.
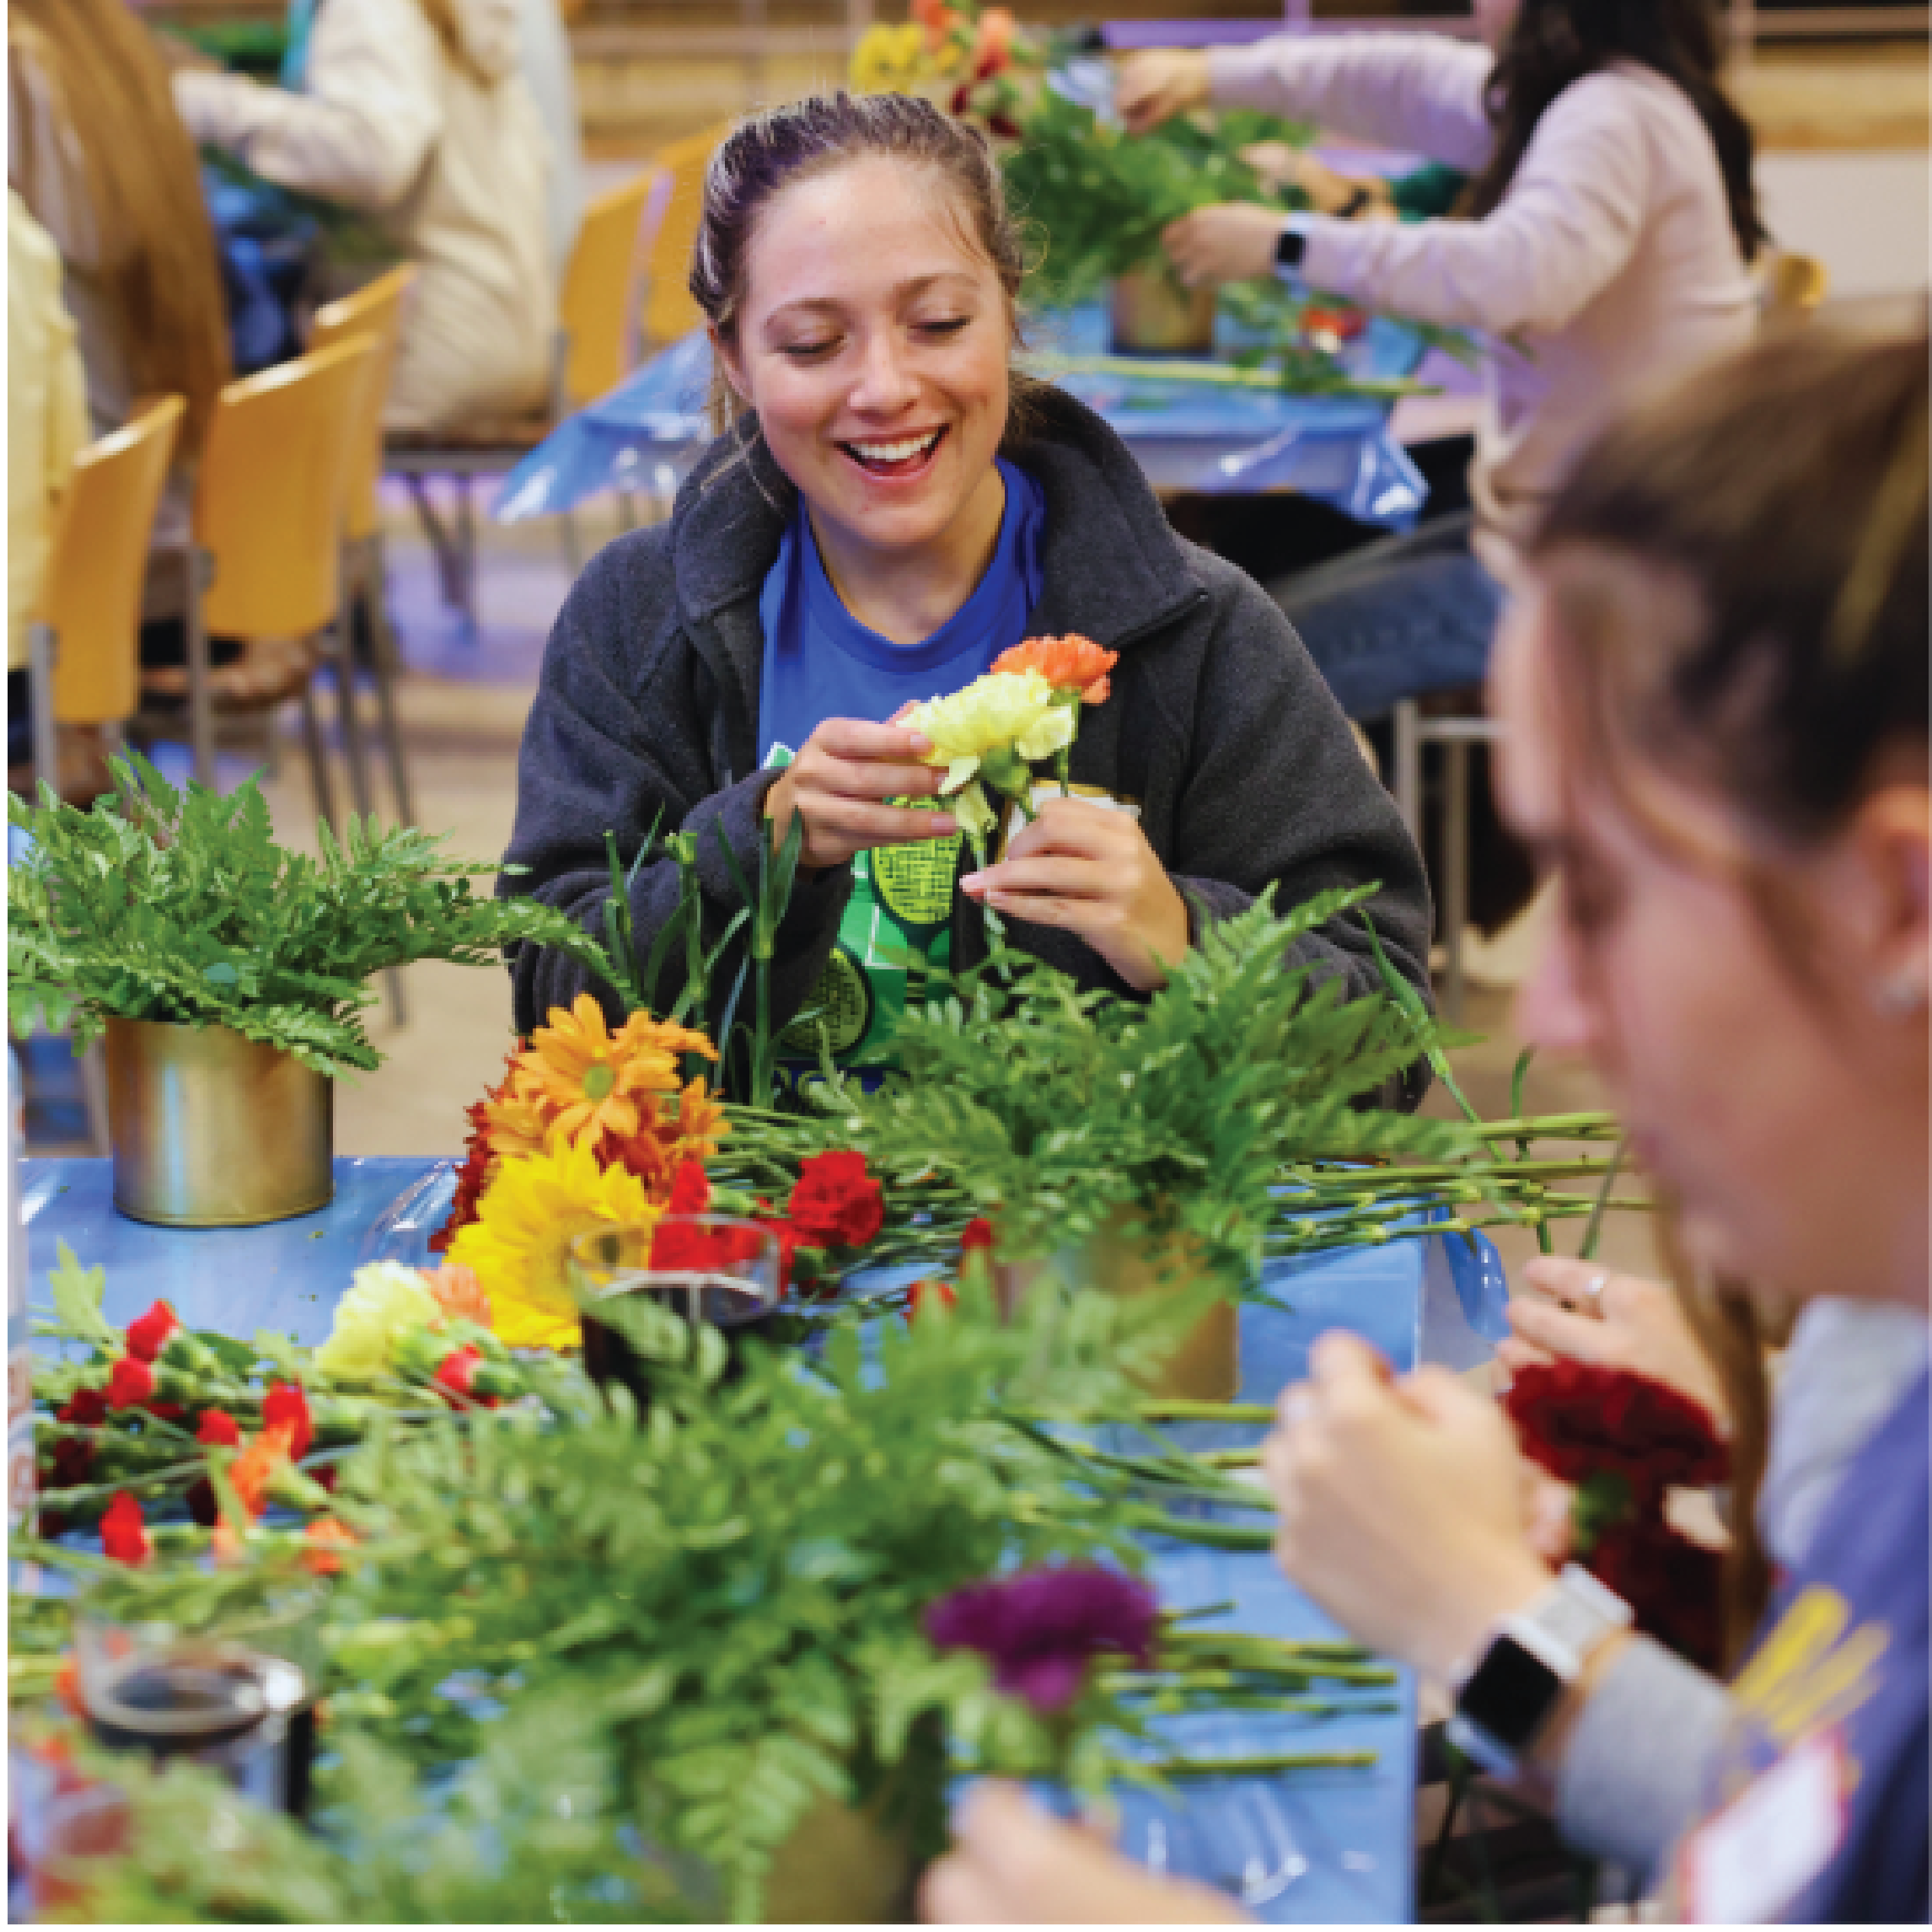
[
  {"x": 821, "y": 662},
  {"x": 1823, "y": 1777}
]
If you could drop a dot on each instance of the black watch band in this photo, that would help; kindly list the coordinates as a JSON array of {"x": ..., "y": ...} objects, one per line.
[
  {"x": 1358, "y": 198},
  {"x": 1290, "y": 247}
]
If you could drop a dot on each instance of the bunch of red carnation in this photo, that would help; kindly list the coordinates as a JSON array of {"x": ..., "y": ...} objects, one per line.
[
  {"x": 835, "y": 1210},
  {"x": 1623, "y": 1441}
]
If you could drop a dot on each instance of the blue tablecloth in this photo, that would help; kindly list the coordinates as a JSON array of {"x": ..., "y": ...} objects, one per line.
[
  {"x": 1187, "y": 436},
  {"x": 1307, "y": 1846}
]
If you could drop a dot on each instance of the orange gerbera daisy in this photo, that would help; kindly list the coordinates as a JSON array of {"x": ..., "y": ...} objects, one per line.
[
  {"x": 588, "y": 1080},
  {"x": 1068, "y": 663}
]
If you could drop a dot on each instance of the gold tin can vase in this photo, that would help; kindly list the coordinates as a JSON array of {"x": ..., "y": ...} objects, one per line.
[
  {"x": 211, "y": 1129},
  {"x": 1151, "y": 315},
  {"x": 842, "y": 1866},
  {"x": 1204, "y": 1365}
]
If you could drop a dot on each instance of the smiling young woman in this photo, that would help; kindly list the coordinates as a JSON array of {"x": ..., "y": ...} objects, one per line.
[{"x": 889, "y": 508}]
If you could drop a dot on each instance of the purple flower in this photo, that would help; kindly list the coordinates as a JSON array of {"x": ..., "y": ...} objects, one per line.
[{"x": 1041, "y": 1629}]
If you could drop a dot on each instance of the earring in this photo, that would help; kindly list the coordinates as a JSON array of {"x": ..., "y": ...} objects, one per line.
[{"x": 1900, "y": 996}]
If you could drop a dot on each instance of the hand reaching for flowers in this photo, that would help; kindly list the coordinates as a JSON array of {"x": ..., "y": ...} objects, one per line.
[
  {"x": 1012, "y": 1864},
  {"x": 1088, "y": 869},
  {"x": 1576, "y": 1310}
]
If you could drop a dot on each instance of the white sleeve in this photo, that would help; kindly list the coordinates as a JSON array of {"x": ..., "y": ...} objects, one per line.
[
  {"x": 1569, "y": 223},
  {"x": 1421, "y": 94},
  {"x": 360, "y": 133}
]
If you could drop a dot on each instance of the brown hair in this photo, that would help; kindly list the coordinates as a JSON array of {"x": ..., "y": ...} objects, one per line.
[
  {"x": 1739, "y": 576},
  {"x": 143, "y": 186},
  {"x": 781, "y": 147}
]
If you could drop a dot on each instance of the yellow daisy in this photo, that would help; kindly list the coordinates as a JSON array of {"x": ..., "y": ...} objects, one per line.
[{"x": 519, "y": 1242}]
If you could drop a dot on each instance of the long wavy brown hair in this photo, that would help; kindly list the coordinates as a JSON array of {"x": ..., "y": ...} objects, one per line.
[{"x": 143, "y": 186}]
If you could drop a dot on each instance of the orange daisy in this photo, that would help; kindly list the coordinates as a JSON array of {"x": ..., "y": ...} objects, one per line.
[{"x": 589, "y": 1081}]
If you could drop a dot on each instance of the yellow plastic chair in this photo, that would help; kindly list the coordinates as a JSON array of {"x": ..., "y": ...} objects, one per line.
[
  {"x": 669, "y": 312},
  {"x": 1790, "y": 287},
  {"x": 594, "y": 350},
  {"x": 266, "y": 564},
  {"x": 85, "y": 638},
  {"x": 374, "y": 311}
]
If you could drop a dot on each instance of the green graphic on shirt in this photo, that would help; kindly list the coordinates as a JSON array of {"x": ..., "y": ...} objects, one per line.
[{"x": 893, "y": 935}]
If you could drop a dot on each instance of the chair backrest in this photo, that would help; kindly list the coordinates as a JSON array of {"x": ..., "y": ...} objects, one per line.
[
  {"x": 1790, "y": 286},
  {"x": 594, "y": 306},
  {"x": 669, "y": 312},
  {"x": 375, "y": 310},
  {"x": 91, "y": 595},
  {"x": 270, "y": 490}
]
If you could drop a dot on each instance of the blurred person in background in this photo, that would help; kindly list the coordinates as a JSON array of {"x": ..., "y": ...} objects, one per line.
[
  {"x": 46, "y": 426},
  {"x": 544, "y": 55},
  {"x": 1715, "y": 683},
  {"x": 100, "y": 158},
  {"x": 1611, "y": 221},
  {"x": 417, "y": 112}
]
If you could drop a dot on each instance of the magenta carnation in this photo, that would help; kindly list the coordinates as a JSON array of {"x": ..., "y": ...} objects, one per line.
[{"x": 1041, "y": 1629}]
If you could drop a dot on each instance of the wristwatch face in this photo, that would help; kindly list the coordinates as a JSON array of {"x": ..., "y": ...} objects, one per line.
[
  {"x": 1289, "y": 249},
  {"x": 1509, "y": 1694}
]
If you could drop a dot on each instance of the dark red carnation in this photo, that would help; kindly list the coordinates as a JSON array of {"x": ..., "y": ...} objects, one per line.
[
  {"x": 836, "y": 1203},
  {"x": 123, "y": 1534},
  {"x": 130, "y": 1384},
  {"x": 147, "y": 1334},
  {"x": 286, "y": 1406},
  {"x": 1042, "y": 1629},
  {"x": 473, "y": 1175},
  {"x": 202, "y": 1506},
  {"x": 88, "y": 1407},
  {"x": 1674, "y": 1585},
  {"x": 219, "y": 1429},
  {"x": 1577, "y": 1420},
  {"x": 690, "y": 1190},
  {"x": 167, "y": 1411}
]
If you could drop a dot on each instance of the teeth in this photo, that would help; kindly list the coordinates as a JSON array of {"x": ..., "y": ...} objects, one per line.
[{"x": 893, "y": 452}]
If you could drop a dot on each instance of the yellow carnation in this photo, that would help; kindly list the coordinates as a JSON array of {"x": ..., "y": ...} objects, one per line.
[
  {"x": 1002, "y": 711},
  {"x": 519, "y": 1243},
  {"x": 385, "y": 1299}
]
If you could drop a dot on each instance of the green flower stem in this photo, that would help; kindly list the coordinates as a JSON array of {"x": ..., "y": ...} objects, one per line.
[
  {"x": 1183, "y": 1408},
  {"x": 1265, "y": 1764}
]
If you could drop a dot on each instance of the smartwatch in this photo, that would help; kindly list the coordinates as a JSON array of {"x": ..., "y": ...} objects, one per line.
[
  {"x": 1506, "y": 1697},
  {"x": 1290, "y": 246}
]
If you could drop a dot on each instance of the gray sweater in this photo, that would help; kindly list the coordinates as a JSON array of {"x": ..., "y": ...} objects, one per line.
[{"x": 1219, "y": 727}]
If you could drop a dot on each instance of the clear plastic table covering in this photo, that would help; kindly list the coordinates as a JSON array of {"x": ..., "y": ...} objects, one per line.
[
  {"x": 645, "y": 436},
  {"x": 1298, "y": 1846}
]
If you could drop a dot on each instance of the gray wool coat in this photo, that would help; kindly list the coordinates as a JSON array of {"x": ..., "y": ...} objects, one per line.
[{"x": 1219, "y": 725}]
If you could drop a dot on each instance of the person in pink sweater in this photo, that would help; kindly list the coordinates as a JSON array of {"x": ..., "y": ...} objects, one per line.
[{"x": 1605, "y": 246}]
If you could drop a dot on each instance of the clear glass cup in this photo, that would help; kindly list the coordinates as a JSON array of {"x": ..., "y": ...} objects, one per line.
[
  {"x": 79, "y": 1832},
  {"x": 716, "y": 1270},
  {"x": 236, "y": 1694}
]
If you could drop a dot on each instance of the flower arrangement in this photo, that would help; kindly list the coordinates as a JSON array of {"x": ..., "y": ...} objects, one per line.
[{"x": 180, "y": 906}]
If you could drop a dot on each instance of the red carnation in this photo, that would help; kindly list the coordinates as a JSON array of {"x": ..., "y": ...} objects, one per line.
[
  {"x": 87, "y": 1407},
  {"x": 976, "y": 1236},
  {"x": 219, "y": 1429},
  {"x": 472, "y": 1177},
  {"x": 1577, "y": 1420},
  {"x": 681, "y": 1247},
  {"x": 836, "y": 1204},
  {"x": 690, "y": 1190},
  {"x": 130, "y": 1384},
  {"x": 167, "y": 1411},
  {"x": 942, "y": 1293},
  {"x": 459, "y": 1369},
  {"x": 1673, "y": 1585},
  {"x": 789, "y": 1243},
  {"x": 147, "y": 1334},
  {"x": 123, "y": 1534},
  {"x": 286, "y": 1407}
]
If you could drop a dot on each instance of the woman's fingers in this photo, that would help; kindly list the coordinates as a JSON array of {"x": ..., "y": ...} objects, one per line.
[
  {"x": 1582, "y": 1337},
  {"x": 1014, "y": 879},
  {"x": 859, "y": 738},
  {"x": 865, "y": 823},
  {"x": 1578, "y": 1285},
  {"x": 849, "y": 778}
]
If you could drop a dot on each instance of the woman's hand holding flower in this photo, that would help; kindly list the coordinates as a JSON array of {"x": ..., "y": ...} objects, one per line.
[
  {"x": 839, "y": 784},
  {"x": 1087, "y": 868},
  {"x": 1234, "y": 241},
  {"x": 1401, "y": 1504}
]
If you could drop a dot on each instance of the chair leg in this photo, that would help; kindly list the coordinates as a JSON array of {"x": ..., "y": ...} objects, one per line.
[
  {"x": 572, "y": 544},
  {"x": 386, "y": 662},
  {"x": 338, "y": 653},
  {"x": 201, "y": 693},
  {"x": 444, "y": 544},
  {"x": 626, "y": 511},
  {"x": 1408, "y": 765},
  {"x": 466, "y": 550},
  {"x": 317, "y": 758},
  {"x": 1455, "y": 869},
  {"x": 46, "y": 741}
]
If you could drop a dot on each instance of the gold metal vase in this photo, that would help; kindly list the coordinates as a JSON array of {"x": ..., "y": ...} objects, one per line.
[
  {"x": 1204, "y": 1363},
  {"x": 211, "y": 1129},
  {"x": 842, "y": 1866},
  {"x": 1151, "y": 315}
]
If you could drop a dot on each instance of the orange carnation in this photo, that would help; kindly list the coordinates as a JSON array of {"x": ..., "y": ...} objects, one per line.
[
  {"x": 459, "y": 1293},
  {"x": 1068, "y": 663}
]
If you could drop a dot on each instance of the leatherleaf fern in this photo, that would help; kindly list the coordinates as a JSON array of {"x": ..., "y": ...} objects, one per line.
[
  {"x": 160, "y": 905},
  {"x": 1056, "y": 1111}
]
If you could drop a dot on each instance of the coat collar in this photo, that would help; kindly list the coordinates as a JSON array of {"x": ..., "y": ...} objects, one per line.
[{"x": 1112, "y": 567}]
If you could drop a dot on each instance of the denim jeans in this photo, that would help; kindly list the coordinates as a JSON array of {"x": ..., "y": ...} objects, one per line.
[{"x": 1397, "y": 618}]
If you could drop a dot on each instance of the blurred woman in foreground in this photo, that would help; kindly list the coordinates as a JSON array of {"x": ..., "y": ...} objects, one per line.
[{"x": 1715, "y": 690}]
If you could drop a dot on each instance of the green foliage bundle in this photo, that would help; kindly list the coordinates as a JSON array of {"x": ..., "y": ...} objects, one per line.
[
  {"x": 161, "y": 904},
  {"x": 1101, "y": 197},
  {"x": 1182, "y": 1111},
  {"x": 733, "y": 1585}
]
